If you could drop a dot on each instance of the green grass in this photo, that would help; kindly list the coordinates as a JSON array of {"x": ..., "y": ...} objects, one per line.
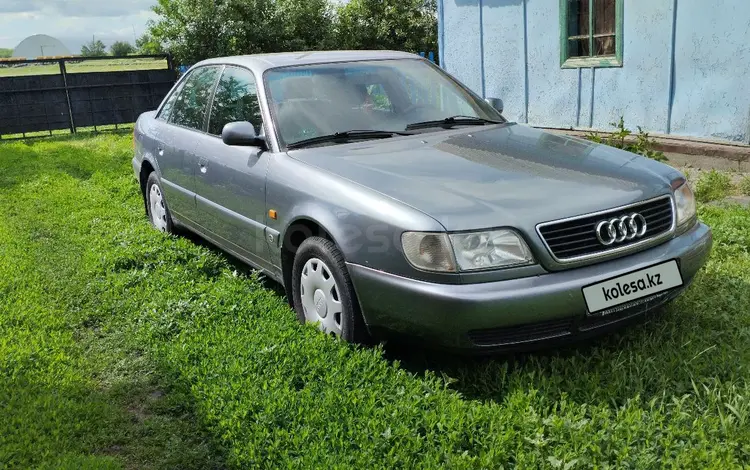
[
  {"x": 713, "y": 186},
  {"x": 83, "y": 66},
  {"x": 124, "y": 348},
  {"x": 66, "y": 132},
  {"x": 744, "y": 185}
]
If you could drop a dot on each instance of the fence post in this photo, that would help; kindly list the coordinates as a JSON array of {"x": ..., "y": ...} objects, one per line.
[
  {"x": 64, "y": 74},
  {"x": 170, "y": 62}
]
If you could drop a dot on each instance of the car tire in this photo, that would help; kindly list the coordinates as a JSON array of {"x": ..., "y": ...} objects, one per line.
[
  {"x": 156, "y": 205},
  {"x": 323, "y": 291}
]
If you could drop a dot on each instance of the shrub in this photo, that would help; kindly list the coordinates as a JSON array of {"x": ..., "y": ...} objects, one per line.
[
  {"x": 745, "y": 185},
  {"x": 712, "y": 186},
  {"x": 643, "y": 144}
]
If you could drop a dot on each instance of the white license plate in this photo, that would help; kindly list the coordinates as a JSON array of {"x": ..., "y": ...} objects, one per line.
[{"x": 632, "y": 286}]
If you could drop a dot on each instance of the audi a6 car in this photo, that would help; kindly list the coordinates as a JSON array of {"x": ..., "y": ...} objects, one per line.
[{"x": 388, "y": 199}]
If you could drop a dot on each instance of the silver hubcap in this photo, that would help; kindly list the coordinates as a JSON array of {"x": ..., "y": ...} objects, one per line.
[
  {"x": 321, "y": 301},
  {"x": 158, "y": 209}
]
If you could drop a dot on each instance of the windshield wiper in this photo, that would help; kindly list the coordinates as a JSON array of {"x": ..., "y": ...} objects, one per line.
[
  {"x": 449, "y": 122},
  {"x": 346, "y": 136}
]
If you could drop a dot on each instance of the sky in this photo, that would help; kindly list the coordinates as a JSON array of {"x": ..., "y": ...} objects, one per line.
[{"x": 73, "y": 22}]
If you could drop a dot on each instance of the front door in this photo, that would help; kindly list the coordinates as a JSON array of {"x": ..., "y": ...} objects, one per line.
[{"x": 230, "y": 182}]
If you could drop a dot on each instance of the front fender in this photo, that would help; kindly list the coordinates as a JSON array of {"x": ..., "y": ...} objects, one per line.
[{"x": 365, "y": 225}]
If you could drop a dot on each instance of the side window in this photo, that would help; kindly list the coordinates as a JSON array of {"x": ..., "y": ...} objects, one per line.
[
  {"x": 166, "y": 110},
  {"x": 189, "y": 109},
  {"x": 236, "y": 99}
]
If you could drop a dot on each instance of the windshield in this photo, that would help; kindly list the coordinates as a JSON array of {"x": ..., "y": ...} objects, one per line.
[{"x": 385, "y": 95}]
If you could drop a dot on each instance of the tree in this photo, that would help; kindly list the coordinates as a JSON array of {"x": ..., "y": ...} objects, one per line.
[
  {"x": 306, "y": 25},
  {"x": 147, "y": 45},
  {"x": 95, "y": 48},
  {"x": 121, "y": 49},
  {"x": 407, "y": 25},
  {"x": 4, "y": 53},
  {"x": 193, "y": 30}
]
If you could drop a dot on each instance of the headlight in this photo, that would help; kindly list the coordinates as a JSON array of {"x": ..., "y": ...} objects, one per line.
[
  {"x": 470, "y": 251},
  {"x": 429, "y": 251},
  {"x": 490, "y": 249},
  {"x": 684, "y": 201}
]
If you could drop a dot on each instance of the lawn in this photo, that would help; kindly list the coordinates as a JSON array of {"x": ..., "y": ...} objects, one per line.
[
  {"x": 121, "y": 347},
  {"x": 82, "y": 66}
]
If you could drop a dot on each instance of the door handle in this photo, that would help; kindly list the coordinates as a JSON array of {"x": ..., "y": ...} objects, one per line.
[
  {"x": 203, "y": 163},
  {"x": 161, "y": 152}
]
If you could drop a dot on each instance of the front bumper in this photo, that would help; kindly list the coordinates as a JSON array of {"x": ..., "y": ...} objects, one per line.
[{"x": 519, "y": 312}]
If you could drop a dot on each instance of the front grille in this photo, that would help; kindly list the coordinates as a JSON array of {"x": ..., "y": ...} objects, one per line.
[
  {"x": 522, "y": 333},
  {"x": 576, "y": 238}
]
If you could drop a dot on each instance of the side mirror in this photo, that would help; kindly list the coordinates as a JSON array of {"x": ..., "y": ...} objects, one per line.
[
  {"x": 496, "y": 103},
  {"x": 241, "y": 134}
]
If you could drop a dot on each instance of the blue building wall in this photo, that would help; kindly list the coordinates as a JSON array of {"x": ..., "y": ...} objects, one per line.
[{"x": 686, "y": 65}]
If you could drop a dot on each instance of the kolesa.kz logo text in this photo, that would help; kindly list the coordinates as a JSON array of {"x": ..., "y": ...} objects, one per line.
[{"x": 632, "y": 288}]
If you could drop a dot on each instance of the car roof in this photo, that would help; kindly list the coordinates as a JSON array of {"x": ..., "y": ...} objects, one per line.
[{"x": 262, "y": 62}]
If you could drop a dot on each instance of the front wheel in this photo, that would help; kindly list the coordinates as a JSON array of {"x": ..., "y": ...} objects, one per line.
[
  {"x": 158, "y": 211},
  {"x": 323, "y": 292}
]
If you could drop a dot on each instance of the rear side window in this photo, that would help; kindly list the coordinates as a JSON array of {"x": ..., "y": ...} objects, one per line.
[
  {"x": 166, "y": 110},
  {"x": 236, "y": 99},
  {"x": 189, "y": 110}
]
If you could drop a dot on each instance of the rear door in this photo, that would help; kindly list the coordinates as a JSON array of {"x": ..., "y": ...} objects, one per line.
[
  {"x": 185, "y": 116},
  {"x": 231, "y": 181},
  {"x": 174, "y": 178}
]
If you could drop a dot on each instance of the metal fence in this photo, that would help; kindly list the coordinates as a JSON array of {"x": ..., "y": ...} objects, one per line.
[
  {"x": 52, "y": 94},
  {"x": 431, "y": 56}
]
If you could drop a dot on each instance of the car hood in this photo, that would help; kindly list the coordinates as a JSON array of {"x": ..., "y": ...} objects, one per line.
[{"x": 502, "y": 175}]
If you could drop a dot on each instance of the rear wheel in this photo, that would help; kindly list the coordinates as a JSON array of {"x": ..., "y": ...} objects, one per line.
[
  {"x": 323, "y": 292},
  {"x": 158, "y": 211}
]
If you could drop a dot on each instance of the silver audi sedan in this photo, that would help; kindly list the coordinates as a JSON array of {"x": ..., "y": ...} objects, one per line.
[{"x": 389, "y": 199}]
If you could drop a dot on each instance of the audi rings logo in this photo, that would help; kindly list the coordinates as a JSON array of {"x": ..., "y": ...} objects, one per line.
[{"x": 625, "y": 228}]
